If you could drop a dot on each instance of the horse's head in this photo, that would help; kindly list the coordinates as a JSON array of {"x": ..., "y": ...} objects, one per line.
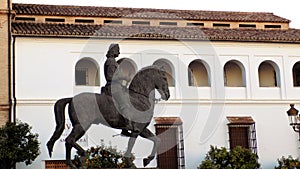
[{"x": 161, "y": 84}]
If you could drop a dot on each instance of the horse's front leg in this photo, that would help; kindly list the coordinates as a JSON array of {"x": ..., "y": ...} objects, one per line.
[{"x": 146, "y": 133}]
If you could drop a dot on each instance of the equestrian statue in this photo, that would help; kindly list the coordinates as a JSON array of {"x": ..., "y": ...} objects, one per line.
[{"x": 128, "y": 109}]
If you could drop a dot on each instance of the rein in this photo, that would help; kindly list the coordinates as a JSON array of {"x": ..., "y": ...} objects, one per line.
[{"x": 139, "y": 93}]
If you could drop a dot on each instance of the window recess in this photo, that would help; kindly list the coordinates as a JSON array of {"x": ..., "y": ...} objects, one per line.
[
  {"x": 168, "y": 23},
  {"x": 195, "y": 24},
  {"x": 24, "y": 19},
  {"x": 55, "y": 20},
  {"x": 221, "y": 25},
  {"x": 84, "y": 20},
  {"x": 272, "y": 26},
  {"x": 113, "y": 22},
  {"x": 247, "y": 25},
  {"x": 140, "y": 22},
  {"x": 171, "y": 149}
]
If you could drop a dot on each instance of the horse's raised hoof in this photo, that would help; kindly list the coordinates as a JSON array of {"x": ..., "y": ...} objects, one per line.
[
  {"x": 50, "y": 148},
  {"x": 147, "y": 160}
]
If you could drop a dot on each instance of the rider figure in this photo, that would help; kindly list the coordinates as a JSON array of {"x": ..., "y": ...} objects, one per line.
[{"x": 116, "y": 83}]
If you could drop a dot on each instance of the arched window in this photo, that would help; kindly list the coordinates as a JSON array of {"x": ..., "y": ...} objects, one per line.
[
  {"x": 87, "y": 72},
  {"x": 169, "y": 70},
  {"x": 234, "y": 74},
  {"x": 197, "y": 74},
  {"x": 296, "y": 74},
  {"x": 268, "y": 74},
  {"x": 128, "y": 67}
]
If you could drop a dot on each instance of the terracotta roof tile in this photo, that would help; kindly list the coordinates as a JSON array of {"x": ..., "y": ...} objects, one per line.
[
  {"x": 92, "y": 11},
  {"x": 240, "y": 120},
  {"x": 152, "y": 32},
  {"x": 168, "y": 121}
]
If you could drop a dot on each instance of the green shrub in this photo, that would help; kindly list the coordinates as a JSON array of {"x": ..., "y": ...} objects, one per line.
[
  {"x": 238, "y": 158},
  {"x": 288, "y": 163},
  {"x": 17, "y": 144},
  {"x": 105, "y": 157}
]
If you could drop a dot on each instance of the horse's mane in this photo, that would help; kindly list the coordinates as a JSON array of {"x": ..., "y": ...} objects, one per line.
[
  {"x": 142, "y": 72},
  {"x": 151, "y": 67}
]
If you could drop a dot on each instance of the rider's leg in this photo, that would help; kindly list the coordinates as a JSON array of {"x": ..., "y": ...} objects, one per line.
[{"x": 122, "y": 102}]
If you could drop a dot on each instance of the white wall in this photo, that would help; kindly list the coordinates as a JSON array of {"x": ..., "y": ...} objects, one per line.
[{"x": 45, "y": 73}]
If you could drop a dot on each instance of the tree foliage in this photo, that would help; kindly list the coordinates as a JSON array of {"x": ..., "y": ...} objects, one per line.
[
  {"x": 105, "y": 157},
  {"x": 238, "y": 158},
  {"x": 288, "y": 163},
  {"x": 17, "y": 144}
]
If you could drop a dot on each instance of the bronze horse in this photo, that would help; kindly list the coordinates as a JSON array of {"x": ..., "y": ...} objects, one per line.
[{"x": 86, "y": 109}]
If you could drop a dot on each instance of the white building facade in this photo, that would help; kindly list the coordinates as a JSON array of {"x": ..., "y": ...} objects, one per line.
[{"x": 215, "y": 85}]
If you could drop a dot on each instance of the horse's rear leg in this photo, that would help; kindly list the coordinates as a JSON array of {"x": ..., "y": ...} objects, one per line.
[
  {"x": 76, "y": 133},
  {"x": 131, "y": 143},
  {"x": 146, "y": 133},
  {"x": 57, "y": 133}
]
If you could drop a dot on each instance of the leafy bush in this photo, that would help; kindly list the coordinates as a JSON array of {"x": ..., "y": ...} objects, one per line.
[
  {"x": 238, "y": 158},
  {"x": 17, "y": 144},
  {"x": 288, "y": 163},
  {"x": 105, "y": 157}
]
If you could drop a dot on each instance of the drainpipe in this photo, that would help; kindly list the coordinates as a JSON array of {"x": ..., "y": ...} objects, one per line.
[
  {"x": 14, "y": 99},
  {"x": 9, "y": 59}
]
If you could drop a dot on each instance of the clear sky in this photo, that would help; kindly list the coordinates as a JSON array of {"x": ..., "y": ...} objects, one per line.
[{"x": 285, "y": 8}]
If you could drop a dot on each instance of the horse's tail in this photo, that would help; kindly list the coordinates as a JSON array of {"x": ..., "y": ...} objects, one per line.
[{"x": 59, "y": 111}]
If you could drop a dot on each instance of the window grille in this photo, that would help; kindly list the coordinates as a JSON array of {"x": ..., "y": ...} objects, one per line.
[{"x": 81, "y": 76}]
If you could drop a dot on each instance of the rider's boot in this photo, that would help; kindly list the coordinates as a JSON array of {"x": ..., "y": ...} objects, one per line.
[{"x": 125, "y": 133}]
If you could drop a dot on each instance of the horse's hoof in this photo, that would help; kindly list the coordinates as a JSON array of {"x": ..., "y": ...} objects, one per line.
[
  {"x": 146, "y": 161},
  {"x": 50, "y": 148}
]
